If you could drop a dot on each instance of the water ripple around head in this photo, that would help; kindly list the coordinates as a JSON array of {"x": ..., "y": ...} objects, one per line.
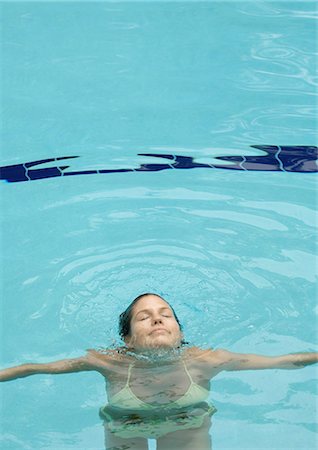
[{"x": 226, "y": 263}]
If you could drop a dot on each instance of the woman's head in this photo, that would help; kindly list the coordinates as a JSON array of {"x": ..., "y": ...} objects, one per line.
[{"x": 150, "y": 322}]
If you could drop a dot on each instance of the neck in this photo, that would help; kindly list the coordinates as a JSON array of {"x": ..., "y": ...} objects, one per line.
[{"x": 156, "y": 354}]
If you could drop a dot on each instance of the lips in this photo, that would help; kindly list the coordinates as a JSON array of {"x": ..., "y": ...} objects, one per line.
[{"x": 159, "y": 330}]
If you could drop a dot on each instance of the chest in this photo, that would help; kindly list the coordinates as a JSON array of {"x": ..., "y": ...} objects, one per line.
[{"x": 157, "y": 385}]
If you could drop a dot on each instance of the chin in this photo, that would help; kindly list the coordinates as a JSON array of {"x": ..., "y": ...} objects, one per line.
[{"x": 163, "y": 343}]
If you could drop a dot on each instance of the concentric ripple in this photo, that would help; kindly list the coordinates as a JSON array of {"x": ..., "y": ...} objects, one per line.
[
  {"x": 97, "y": 286},
  {"x": 226, "y": 269}
]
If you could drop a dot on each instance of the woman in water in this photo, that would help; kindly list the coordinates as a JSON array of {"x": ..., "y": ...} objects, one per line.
[{"x": 157, "y": 386}]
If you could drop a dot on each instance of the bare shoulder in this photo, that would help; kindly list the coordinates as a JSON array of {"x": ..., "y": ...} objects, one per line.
[
  {"x": 194, "y": 352},
  {"x": 206, "y": 352},
  {"x": 218, "y": 355},
  {"x": 105, "y": 354},
  {"x": 210, "y": 356},
  {"x": 106, "y": 358}
]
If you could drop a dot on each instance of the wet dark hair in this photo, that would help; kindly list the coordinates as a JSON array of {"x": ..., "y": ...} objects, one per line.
[{"x": 126, "y": 316}]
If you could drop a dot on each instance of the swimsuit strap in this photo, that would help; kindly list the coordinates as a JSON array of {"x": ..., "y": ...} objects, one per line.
[
  {"x": 128, "y": 375},
  {"x": 188, "y": 373}
]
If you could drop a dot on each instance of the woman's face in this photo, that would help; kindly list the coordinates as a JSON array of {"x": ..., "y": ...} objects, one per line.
[{"x": 153, "y": 325}]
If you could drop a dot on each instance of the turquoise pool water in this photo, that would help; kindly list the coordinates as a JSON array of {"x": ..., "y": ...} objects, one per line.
[{"x": 232, "y": 249}]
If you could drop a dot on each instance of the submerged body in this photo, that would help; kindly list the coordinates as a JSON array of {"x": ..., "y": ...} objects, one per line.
[
  {"x": 149, "y": 399},
  {"x": 157, "y": 387}
]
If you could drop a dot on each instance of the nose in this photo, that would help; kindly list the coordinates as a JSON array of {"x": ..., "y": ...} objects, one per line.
[{"x": 156, "y": 319}]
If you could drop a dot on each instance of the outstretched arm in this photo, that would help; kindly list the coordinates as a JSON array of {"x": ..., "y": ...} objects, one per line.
[
  {"x": 56, "y": 367},
  {"x": 240, "y": 361}
]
